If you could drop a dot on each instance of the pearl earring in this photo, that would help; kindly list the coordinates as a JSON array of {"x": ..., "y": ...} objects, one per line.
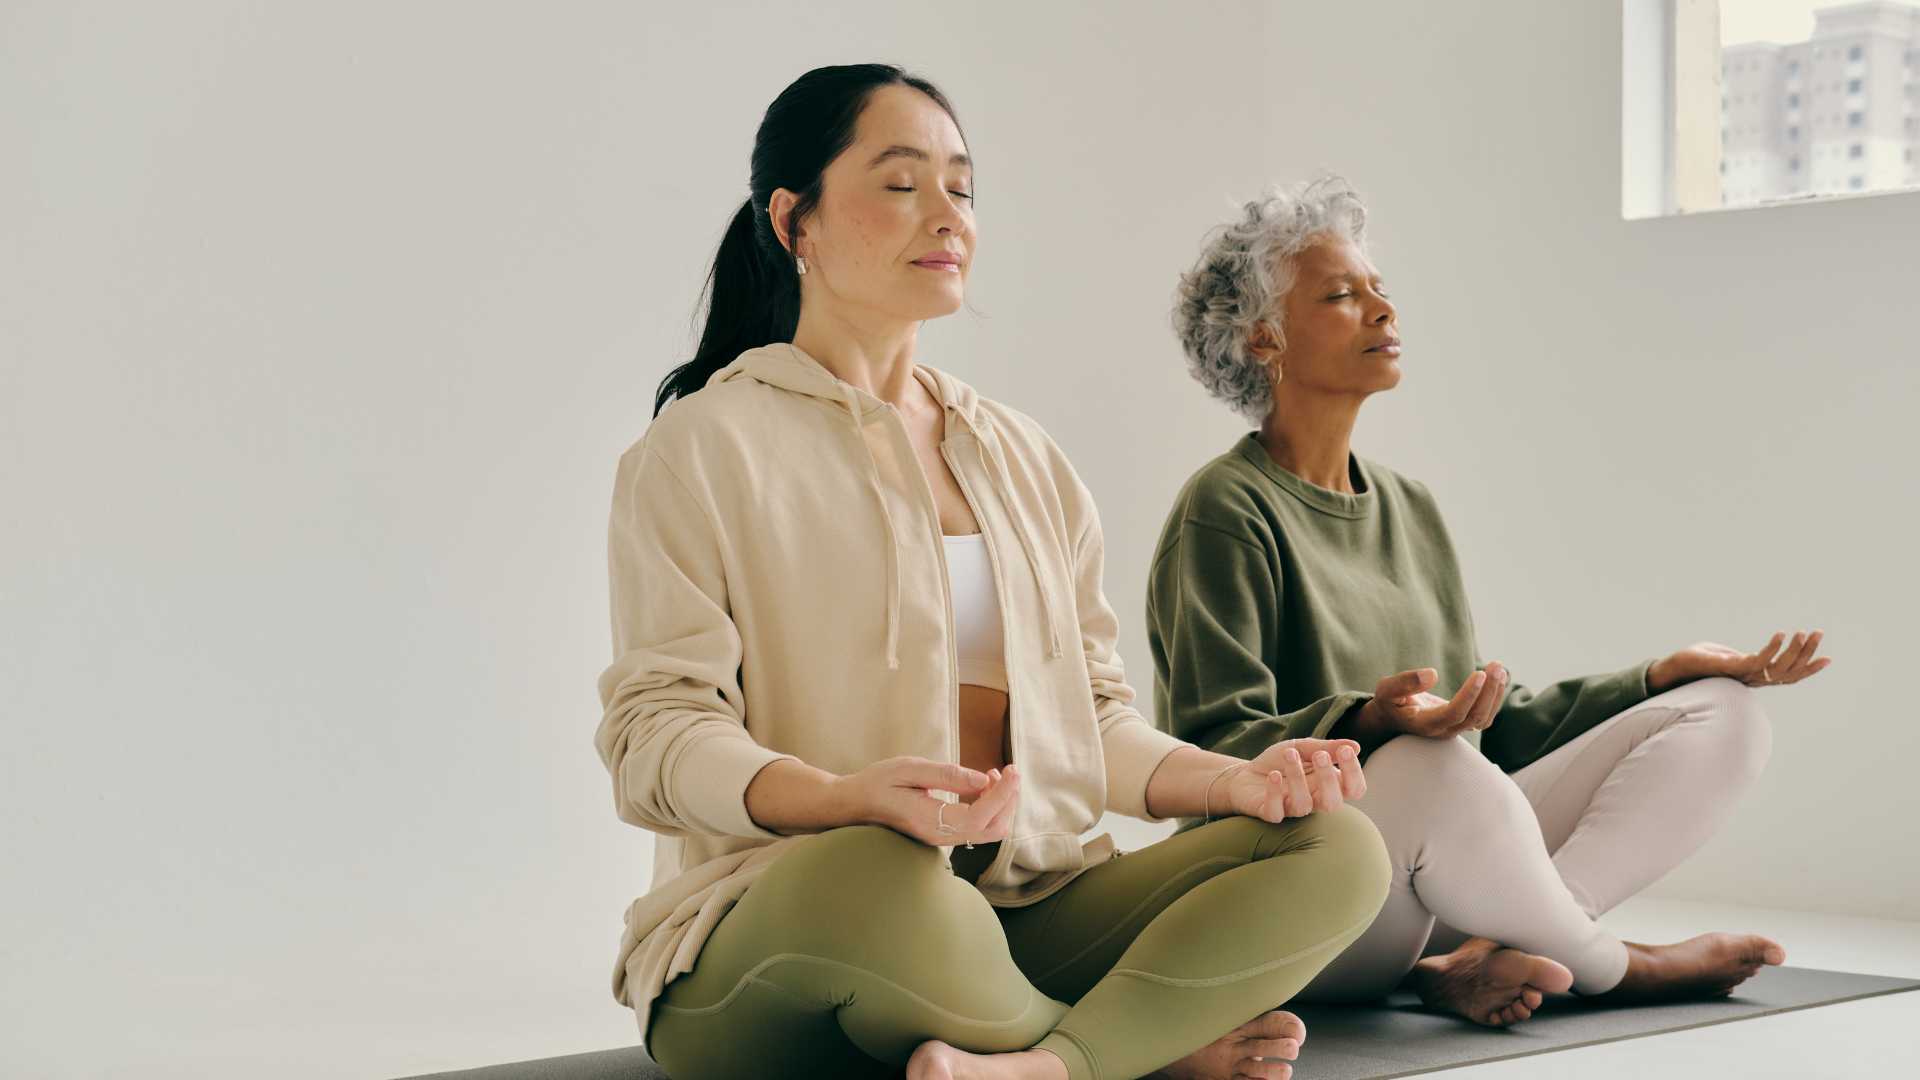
[{"x": 800, "y": 263}]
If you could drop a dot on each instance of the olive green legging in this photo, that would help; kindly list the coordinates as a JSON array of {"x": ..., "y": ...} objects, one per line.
[{"x": 857, "y": 946}]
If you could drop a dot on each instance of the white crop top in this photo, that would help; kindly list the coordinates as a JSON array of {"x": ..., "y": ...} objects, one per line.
[{"x": 976, "y": 613}]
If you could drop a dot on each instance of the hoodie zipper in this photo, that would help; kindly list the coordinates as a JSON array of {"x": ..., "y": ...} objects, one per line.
[
  {"x": 1005, "y": 854},
  {"x": 946, "y": 597}
]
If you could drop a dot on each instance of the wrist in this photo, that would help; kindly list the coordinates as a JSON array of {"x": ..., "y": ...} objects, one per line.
[
  {"x": 848, "y": 803},
  {"x": 1660, "y": 675},
  {"x": 1364, "y": 724},
  {"x": 1217, "y": 802}
]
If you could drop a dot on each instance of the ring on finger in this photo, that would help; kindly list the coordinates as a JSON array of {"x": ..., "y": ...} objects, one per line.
[{"x": 940, "y": 816}]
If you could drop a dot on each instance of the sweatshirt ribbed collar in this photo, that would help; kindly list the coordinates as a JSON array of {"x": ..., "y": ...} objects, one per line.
[{"x": 1325, "y": 500}]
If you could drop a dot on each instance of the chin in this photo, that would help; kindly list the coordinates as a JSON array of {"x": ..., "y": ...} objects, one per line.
[
  {"x": 1389, "y": 378},
  {"x": 920, "y": 308}
]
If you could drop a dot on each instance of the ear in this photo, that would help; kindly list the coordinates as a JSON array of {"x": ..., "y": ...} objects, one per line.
[
  {"x": 779, "y": 208},
  {"x": 1261, "y": 343}
]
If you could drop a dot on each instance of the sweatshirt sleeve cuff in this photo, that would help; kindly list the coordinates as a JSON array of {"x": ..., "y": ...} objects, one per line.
[
  {"x": 713, "y": 776},
  {"x": 1338, "y": 707},
  {"x": 1134, "y": 749},
  {"x": 1638, "y": 673}
]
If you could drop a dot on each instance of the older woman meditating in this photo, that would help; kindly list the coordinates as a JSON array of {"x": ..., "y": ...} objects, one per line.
[{"x": 1300, "y": 589}]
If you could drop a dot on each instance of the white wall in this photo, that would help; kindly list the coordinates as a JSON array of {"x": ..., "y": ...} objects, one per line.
[{"x": 321, "y": 330}]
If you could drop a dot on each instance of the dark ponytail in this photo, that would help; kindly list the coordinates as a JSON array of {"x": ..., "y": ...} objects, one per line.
[{"x": 752, "y": 294}]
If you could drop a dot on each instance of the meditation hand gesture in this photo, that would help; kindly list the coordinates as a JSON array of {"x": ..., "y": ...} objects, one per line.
[
  {"x": 1771, "y": 666},
  {"x": 1401, "y": 705},
  {"x": 1295, "y": 778},
  {"x": 899, "y": 793}
]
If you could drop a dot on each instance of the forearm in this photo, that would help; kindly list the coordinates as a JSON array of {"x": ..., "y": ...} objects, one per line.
[
  {"x": 792, "y": 798},
  {"x": 1178, "y": 787}
]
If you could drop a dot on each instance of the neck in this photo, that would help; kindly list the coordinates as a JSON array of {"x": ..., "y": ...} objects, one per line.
[
  {"x": 874, "y": 355},
  {"x": 1310, "y": 434}
]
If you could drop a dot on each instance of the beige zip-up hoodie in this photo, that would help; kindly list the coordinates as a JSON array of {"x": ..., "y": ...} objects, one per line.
[{"x": 779, "y": 589}]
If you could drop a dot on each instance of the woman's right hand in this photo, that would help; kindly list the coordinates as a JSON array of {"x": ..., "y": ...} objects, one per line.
[
  {"x": 897, "y": 792},
  {"x": 1401, "y": 705}
]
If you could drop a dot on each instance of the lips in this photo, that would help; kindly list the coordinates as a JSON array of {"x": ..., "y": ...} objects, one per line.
[
  {"x": 1390, "y": 343},
  {"x": 942, "y": 260}
]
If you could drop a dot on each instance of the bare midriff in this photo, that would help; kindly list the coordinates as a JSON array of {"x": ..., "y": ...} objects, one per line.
[{"x": 983, "y": 728}]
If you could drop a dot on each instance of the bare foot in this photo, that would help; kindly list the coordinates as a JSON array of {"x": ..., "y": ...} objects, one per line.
[
  {"x": 1488, "y": 984},
  {"x": 1275, "y": 1034},
  {"x": 1710, "y": 965},
  {"x": 935, "y": 1060}
]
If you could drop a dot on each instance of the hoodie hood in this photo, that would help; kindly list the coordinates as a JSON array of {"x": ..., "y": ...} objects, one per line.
[{"x": 789, "y": 368}]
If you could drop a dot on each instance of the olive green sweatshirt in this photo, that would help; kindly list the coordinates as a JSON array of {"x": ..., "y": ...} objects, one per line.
[{"x": 1274, "y": 606}]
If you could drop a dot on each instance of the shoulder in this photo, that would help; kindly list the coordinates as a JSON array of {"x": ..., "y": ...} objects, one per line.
[
  {"x": 1398, "y": 489},
  {"x": 721, "y": 422},
  {"x": 1391, "y": 479},
  {"x": 1227, "y": 494}
]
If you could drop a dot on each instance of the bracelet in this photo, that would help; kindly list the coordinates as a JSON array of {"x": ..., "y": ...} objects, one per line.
[{"x": 1206, "y": 805}]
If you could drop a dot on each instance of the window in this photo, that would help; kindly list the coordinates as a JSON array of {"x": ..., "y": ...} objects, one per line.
[{"x": 1697, "y": 75}]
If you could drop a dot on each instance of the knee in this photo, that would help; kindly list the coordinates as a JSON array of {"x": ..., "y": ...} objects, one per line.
[
  {"x": 1739, "y": 725},
  {"x": 1430, "y": 762},
  {"x": 1351, "y": 864},
  {"x": 1425, "y": 786}
]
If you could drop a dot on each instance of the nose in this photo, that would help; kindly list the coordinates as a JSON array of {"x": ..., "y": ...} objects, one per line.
[
  {"x": 944, "y": 219},
  {"x": 1384, "y": 311}
]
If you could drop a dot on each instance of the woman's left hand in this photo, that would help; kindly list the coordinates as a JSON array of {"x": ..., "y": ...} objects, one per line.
[
  {"x": 1296, "y": 778},
  {"x": 1771, "y": 666}
]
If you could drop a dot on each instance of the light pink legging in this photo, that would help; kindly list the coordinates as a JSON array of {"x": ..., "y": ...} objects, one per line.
[{"x": 1532, "y": 859}]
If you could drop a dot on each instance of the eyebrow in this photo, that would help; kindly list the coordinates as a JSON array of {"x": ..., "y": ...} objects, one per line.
[
  {"x": 1332, "y": 278},
  {"x": 916, "y": 154}
]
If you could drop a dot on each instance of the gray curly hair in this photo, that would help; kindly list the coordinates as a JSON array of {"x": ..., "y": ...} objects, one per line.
[{"x": 1241, "y": 277}]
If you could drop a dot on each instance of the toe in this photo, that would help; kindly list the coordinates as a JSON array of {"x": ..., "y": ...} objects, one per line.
[
  {"x": 1272, "y": 1048},
  {"x": 1274, "y": 1024}
]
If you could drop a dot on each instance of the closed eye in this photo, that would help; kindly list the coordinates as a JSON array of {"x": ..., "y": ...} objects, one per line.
[{"x": 961, "y": 194}]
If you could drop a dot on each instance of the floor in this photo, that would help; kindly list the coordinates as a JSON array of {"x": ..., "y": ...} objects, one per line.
[
  {"x": 1877, "y": 1037},
  {"x": 393, "y": 1023}
]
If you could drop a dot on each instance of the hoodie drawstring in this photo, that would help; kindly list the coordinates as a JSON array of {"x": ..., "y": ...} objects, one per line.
[
  {"x": 1002, "y": 483},
  {"x": 893, "y": 535}
]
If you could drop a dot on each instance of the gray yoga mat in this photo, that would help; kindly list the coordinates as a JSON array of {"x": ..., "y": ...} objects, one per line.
[{"x": 1397, "y": 1038}]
